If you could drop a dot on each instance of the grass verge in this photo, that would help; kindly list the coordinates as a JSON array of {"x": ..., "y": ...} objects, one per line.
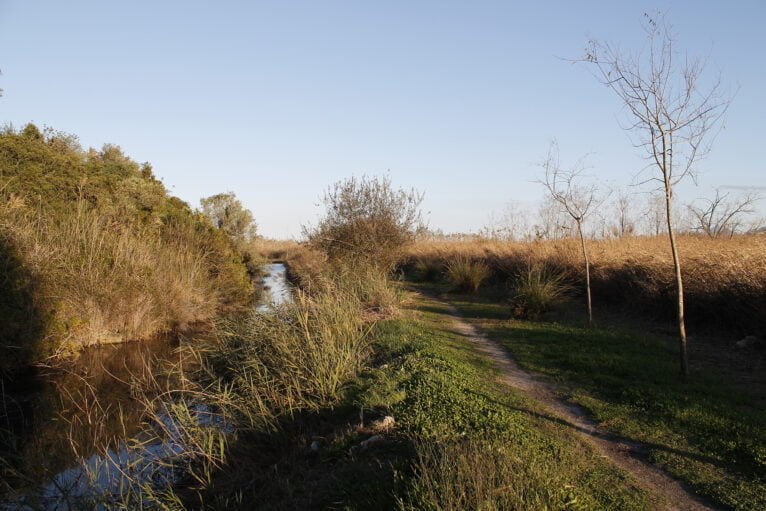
[
  {"x": 707, "y": 432},
  {"x": 479, "y": 445},
  {"x": 460, "y": 440}
]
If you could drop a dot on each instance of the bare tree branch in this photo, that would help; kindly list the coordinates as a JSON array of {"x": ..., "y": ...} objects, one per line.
[
  {"x": 578, "y": 197},
  {"x": 723, "y": 215},
  {"x": 673, "y": 115}
]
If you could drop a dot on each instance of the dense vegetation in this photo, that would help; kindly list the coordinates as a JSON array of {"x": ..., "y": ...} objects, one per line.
[
  {"x": 725, "y": 279},
  {"x": 93, "y": 249},
  {"x": 359, "y": 393},
  {"x": 459, "y": 440}
]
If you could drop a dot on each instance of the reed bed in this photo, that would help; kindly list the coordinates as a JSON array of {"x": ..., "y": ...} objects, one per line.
[
  {"x": 273, "y": 250},
  {"x": 296, "y": 358},
  {"x": 724, "y": 279},
  {"x": 257, "y": 370}
]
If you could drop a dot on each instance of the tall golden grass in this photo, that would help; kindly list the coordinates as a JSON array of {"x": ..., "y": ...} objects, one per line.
[
  {"x": 724, "y": 279},
  {"x": 100, "y": 280},
  {"x": 252, "y": 372},
  {"x": 274, "y": 250}
]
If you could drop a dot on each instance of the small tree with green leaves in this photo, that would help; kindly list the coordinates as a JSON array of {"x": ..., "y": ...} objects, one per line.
[{"x": 227, "y": 213}]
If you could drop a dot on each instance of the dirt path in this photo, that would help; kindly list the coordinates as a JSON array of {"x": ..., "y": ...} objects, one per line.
[{"x": 624, "y": 453}]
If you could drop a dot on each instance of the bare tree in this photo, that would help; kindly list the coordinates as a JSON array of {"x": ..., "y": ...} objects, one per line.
[
  {"x": 671, "y": 112},
  {"x": 758, "y": 225},
  {"x": 511, "y": 223},
  {"x": 723, "y": 215},
  {"x": 654, "y": 214},
  {"x": 579, "y": 199},
  {"x": 623, "y": 220},
  {"x": 552, "y": 223}
]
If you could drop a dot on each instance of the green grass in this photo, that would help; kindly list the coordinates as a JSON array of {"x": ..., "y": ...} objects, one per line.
[
  {"x": 443, "y": 396},
  {"x": 449, "y": 412},
  {"x": 707, "y": 431}
]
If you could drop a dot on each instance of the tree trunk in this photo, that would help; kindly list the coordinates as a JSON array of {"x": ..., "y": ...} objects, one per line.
[
  {"x": 587, "y": 272},
  {"x": 679, "y": 284}
]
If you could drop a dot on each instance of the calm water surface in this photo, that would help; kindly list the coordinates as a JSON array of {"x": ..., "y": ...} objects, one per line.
[{"x": 68, "y": 428}]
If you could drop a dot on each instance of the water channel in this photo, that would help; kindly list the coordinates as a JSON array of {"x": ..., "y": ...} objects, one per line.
[{"x": 79, "y": 427}]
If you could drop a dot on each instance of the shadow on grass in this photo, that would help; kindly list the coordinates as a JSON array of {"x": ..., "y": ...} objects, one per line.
[
  {"x": 632, "y": 383},
  {"x": 279, "y": 469},
  {"x": 639, "y": 449}
]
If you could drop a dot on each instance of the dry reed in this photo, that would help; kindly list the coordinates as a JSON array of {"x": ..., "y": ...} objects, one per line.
[{"x": 724, "y": 279}]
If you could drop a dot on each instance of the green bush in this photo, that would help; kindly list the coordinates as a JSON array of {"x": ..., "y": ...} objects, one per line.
[{"x": 367, "y": 220}]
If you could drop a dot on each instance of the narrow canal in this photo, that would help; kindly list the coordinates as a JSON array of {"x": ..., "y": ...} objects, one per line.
[{"x": 80, "y": 427}]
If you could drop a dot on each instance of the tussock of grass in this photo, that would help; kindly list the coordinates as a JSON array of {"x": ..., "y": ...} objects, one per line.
[
  {"x": 466, "y": 274},
  {"x": 487, "y": 473},
  {"x": 429, "y": 270},
  {"x": 297, "y": 358},
  {"x": 537, "y": 290}
]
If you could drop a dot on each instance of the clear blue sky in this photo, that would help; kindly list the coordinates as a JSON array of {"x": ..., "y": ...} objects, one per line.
[{"x": 276, "y": 100}]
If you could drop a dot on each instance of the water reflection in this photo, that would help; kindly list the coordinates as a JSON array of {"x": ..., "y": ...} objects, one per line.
[
  {"x": 275, "y": 286},
  {"x": 74, "y": 409},
  {"x": 65, "y": 429}
]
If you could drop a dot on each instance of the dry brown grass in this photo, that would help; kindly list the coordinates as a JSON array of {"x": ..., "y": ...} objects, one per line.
[
  {"x": 724, "y": 279},
  {"x": 99, "y": 280},
  {"x": 274, "y": 250},
  {"x": 313, "y": 272}
]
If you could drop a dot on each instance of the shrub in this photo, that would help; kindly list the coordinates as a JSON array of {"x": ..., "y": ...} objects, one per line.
[
  {"x": 367, "y": 220},
  {"x": 93, "y": 249},
  {"x": 465, "y": 274},
  {"x": 538, "y": 288}
]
